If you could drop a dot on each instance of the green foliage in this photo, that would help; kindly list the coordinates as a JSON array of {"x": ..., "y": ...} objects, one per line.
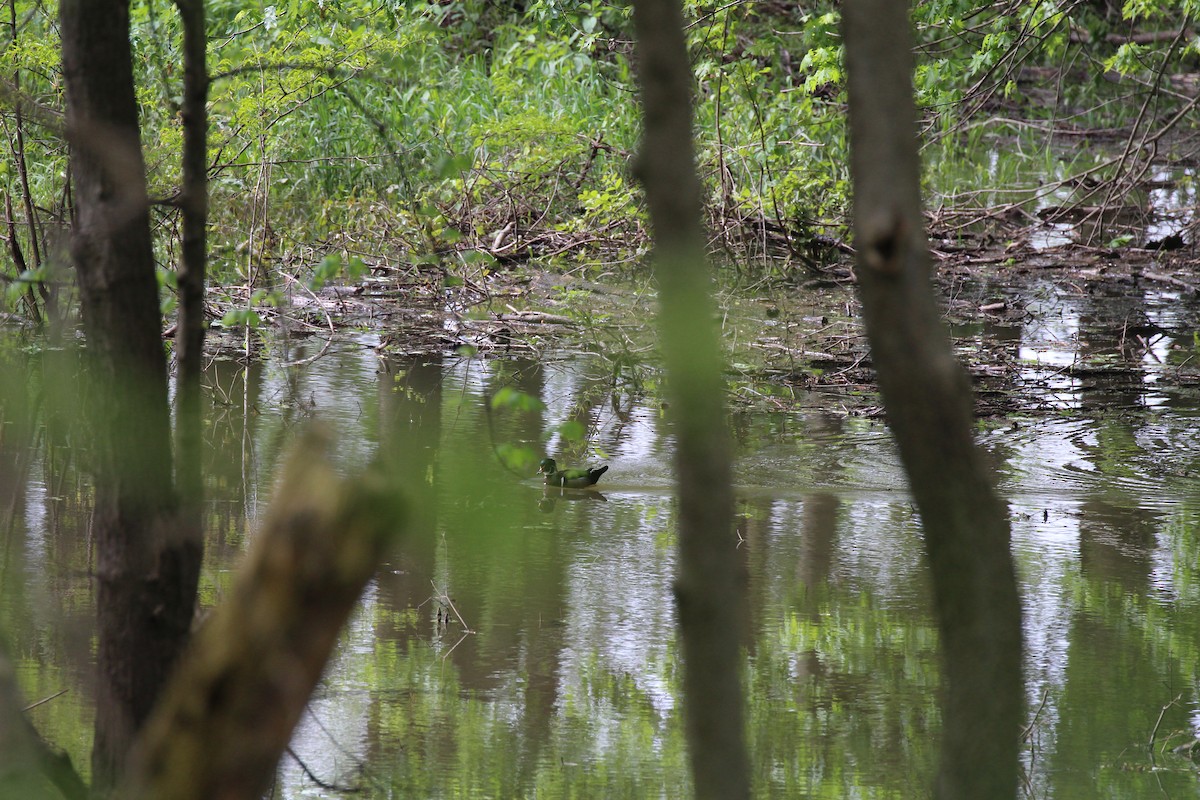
[
  {"x": 1129, "y": 59},
  {"x": 333, "y": 267},
  {"x": 822, "y": 66},
  {"x": 410, "y": 125},
  {"x": 514, "y": 399},
  {"x": 247, "y": 315},
  {"x": 572, "y": 430},
  {"x": 612, "y": 202},
  {"x": 22, "y": 284},
  {"x": 521, "y": 459},
  {"x": 242, "y": 316}
]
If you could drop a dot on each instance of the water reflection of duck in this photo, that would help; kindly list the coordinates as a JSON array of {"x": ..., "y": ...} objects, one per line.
[
  {"x": 551, "y": 496},
  {"x": 570, "y": 478}
]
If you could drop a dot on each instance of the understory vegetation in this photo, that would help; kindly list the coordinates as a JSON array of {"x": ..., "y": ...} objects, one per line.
[{"x": 444, "y": 142}]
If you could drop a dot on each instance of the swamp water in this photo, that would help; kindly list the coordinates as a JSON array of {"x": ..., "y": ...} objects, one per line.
[{"x": 524, "y": 644}]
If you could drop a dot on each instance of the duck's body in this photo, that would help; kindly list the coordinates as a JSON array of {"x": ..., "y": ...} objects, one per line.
[{"x": 570, "y": 478}]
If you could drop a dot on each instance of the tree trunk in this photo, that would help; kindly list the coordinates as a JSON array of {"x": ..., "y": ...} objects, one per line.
[
  {"x": 709, "y": 590},
  {"x": 928, "y": 402},
  {"x": 146, "y": 573},
  {"x": 191, "y": 326}
]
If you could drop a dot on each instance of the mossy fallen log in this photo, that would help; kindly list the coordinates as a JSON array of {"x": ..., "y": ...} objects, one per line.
[{"x": 230, "y": 709}]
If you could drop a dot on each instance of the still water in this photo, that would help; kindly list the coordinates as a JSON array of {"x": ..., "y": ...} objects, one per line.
[{"x": 521, "y": 643}]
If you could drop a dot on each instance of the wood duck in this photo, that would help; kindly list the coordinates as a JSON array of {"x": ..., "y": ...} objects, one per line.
[{"x": 570, "y": 478}]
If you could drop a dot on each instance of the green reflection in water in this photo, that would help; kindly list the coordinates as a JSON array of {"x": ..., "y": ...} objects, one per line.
[{"x": 568, "y": 682}]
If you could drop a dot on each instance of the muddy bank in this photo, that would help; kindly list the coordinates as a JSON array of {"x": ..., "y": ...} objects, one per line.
[{"x": 1041, "y": 330}]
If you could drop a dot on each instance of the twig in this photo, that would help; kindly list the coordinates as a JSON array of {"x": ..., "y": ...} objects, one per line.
[
  {"x": 34, "y": 705},
  {"x": 1029, "y": 728},
  {"x": 329, "y": 787},
  {"x": 1162, "y": 713},
  {"x": 445, "y": 599},
  {"x": 328, "y": 318}
]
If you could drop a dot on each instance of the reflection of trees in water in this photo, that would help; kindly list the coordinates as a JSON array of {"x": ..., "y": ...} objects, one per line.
[
  {"x": 798, "y": 535},
  {"x": 45, "y": 515},
  {"x": 1116, "y": 544},
  {"x": 482, "y": 544},
  {"x": 1116, "y": 534},
  {"x": 1115, "y": 327},
  {"x": 234, "y": 463},
  {"x": 573, "y": 606},
  {"x": 410, "y": 421}
]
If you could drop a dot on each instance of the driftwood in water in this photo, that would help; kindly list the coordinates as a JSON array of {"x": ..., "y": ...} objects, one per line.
[{"x": 229, "y": 712}]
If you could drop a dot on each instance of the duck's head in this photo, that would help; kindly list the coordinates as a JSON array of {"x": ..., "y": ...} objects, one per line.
[{"x": 548, "y": 466}]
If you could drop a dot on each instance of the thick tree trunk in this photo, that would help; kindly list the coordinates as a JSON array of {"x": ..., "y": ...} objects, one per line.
[
  {"x": 709, "y": 590},
  {"x": 146, "y": 574},
  {"x": 928, "y": 403}
]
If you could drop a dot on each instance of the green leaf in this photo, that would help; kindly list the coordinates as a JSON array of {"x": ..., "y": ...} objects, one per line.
[
  {"x": 516, "y": 400},
  {"x": 572, "y": 430},
  {"x": 518, "y": 458},
  {"x": 241, "y": 316},
  {"x": 356, "y": 268},
  {"x": 451, "y": 166},
  {"x": 476, "y": 257},
  {"x": 329, "y": 268}
]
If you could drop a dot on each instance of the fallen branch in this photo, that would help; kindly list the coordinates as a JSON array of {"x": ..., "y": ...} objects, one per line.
[
  {"x": 536, "y": 318},
  {"x": 1159, "y": 277}
]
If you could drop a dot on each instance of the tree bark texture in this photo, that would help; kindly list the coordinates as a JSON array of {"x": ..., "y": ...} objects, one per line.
[
  {"x": 709, "y": 589},
  {"x": 146, "y": 573},
  {"x": 928, "y": 401},
  {"x": 189, "y": 332},
  {"x": 230, "y": 710}
]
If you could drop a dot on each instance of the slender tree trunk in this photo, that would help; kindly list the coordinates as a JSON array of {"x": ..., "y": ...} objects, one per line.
[
  {"x": 928, "y": 403},
  {"x": 709, "y": 590},
  {"x": 191, "y": 325},
  {"x": 145, "y": 573}
]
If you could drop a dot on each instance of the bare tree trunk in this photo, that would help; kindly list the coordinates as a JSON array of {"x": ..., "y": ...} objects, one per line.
[
  {"x": 229, "y": 712},
  {"x": 146, "y": 574},
  {"x": 191, "y": 325},
  {"x": 928, "y": 403},
  {"x": 709, "y": 590}
]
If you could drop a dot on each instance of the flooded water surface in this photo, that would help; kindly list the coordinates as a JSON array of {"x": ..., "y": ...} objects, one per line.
[{"x": 521, "y": 642}]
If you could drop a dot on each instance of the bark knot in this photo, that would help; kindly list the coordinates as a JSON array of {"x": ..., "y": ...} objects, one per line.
[{"x": 883, "y": 235}]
